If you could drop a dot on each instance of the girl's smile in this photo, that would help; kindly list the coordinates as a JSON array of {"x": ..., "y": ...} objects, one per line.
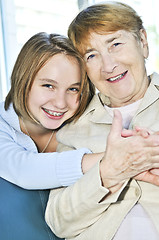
[
  {"x": 53, "y": 114},
  {"x": 54, "y": 94}
]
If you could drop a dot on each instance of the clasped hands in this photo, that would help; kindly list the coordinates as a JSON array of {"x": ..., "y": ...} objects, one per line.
[{"x": 129, "y": 154}]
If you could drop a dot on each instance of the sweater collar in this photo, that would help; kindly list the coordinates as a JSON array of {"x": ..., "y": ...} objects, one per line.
[{"x": 98, "y": 112}]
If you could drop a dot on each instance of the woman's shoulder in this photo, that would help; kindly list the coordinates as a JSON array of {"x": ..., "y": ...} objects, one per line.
[{"x": 155, "y": 78}]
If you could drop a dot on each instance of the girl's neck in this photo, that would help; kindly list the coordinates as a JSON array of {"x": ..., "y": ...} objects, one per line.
[{"x": 44, "y": 139}]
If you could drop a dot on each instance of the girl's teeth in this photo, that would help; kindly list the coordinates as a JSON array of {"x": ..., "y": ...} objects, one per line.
[{"x": 56, "y": 114}]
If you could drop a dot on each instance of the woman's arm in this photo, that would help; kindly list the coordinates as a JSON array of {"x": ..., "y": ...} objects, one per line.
[{"x": 72, "y": 210}]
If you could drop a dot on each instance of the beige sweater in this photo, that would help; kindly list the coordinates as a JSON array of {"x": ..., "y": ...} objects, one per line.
[{"x": 77, "y": 212}]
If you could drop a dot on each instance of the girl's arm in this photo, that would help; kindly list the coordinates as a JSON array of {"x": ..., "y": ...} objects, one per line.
[{"x": 32, "y": 170}]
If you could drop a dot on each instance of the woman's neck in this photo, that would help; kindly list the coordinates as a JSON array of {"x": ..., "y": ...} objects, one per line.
[{"x": 116, "y": 102}]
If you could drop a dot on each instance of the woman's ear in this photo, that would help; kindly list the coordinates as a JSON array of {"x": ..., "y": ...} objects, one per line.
[{"x": 144, "y": 43}]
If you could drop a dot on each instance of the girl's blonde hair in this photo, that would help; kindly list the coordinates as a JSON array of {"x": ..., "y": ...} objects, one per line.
[{"x": 32, "y": 57}]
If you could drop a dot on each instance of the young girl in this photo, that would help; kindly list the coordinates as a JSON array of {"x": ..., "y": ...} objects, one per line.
[{"x": 48, "y": 88}]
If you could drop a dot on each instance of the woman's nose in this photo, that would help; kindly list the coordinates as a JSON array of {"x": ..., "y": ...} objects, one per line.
[{"x": 108, "y": 63}]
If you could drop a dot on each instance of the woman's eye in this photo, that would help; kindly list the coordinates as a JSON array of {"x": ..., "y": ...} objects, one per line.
[
  {"x": 116, "y": 44},
  {"x": 91, "y": 56}
]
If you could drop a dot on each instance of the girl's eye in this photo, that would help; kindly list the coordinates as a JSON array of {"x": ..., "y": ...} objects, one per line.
[
  {"x": 48, "y": 86},
  {"x": 74, "y": 89}
]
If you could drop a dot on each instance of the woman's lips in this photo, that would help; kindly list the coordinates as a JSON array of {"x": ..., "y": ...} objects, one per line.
[{"x": 117, "y": 78}]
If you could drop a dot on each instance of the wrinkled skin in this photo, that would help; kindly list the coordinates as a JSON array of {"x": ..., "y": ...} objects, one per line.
[{"x": 128, "y": 157}]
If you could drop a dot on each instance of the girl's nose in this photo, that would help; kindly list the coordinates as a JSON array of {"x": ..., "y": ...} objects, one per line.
[{"x": 60, "y": 100}]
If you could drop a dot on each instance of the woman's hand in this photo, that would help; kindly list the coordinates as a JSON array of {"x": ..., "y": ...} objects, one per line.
[
  {"x": 147, "y": 176},
  {"x": 126, "y": 157}
]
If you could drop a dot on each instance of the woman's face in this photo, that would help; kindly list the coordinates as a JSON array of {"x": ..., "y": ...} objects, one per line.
[
  {"x": 53, "y": 96},
  {"x": 115, "y": 64}
]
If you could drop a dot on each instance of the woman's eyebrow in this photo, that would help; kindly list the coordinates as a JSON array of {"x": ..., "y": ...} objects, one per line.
[
  {"x": 89, "y": 50},
  {"x": 112, "y": 38},
  {"x": 109, "y": 40}
]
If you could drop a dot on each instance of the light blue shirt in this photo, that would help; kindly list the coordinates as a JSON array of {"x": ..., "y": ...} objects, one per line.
[
  {"x": 21, "y": 164},
  {"x": 22, "y": 211}
]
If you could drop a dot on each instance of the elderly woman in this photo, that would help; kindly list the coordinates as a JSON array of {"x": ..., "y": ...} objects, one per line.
[{"x": 110, "y": 201}]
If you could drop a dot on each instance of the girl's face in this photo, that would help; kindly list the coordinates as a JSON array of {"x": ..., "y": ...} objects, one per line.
[
  {"x": 54, "y": 93},
  {"x": 115, "y": 63}
]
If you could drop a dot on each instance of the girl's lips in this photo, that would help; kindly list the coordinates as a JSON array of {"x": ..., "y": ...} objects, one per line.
[
  {"x": 117, "y": 78},
  {"x": 53, "y": 114}
]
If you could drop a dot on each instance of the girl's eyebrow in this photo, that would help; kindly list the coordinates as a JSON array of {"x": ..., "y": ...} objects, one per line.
[
  {"x": 55, "y": 82},
  {"x": 76, "y": 84},
  {"x": 47, "y": 80}
]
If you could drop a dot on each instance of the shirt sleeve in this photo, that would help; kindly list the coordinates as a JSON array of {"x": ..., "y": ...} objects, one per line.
[{"x": 33, "y": 170}]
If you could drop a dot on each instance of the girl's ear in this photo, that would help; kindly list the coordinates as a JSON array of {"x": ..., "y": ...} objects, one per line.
[{"x": 144, "y": 43}]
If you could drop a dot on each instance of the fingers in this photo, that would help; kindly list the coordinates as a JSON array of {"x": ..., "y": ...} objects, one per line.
[
  {"x": 152, "y": 141},
  {"x": 125, "y": 157},
  {"x": 128, "y": 133},
  {"x": 157, "y": 133},
  {"x": 142, "y": 132},
  {"x": 154, "y": 171},
  {"x": 145, "y": 158},
  {"x": 137, "y": 131},
  {"x": 152, "y": 178},
  {"x": 149, "y": 177},
  {"x": 116, "y": 127}
]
